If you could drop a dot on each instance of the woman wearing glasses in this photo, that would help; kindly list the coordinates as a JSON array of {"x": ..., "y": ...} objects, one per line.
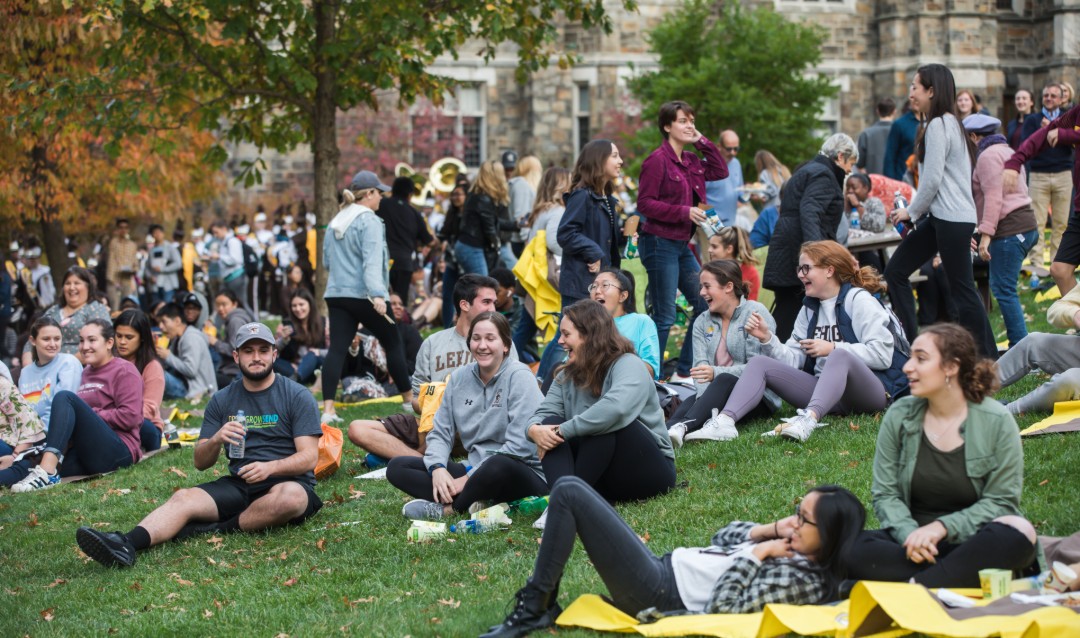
[
  {"x": 845, "y": 354},
  {"x": 616, "y": 290},
  {"x": 948, "y": 474},
  {"x": 795, "y": 560}
]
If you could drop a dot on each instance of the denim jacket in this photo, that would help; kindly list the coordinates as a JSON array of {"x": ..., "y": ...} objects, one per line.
[
  {"x": 992, "y": 453},
  {"x": 588, "y": 232},
  {"x": 359, "y": 262}
]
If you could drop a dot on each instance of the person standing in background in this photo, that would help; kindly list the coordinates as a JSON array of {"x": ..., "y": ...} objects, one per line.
[
  {"x": 723, "y": 193},
  {"x": 405, "y": 230},
  {"x": 900, "y": 144},
  {"x": 122, "y": 264},
  {"x": 229, "y": 255},
  {"x": 1049, "y": 176},
  {"x": 523, "y": 187},
  {"x": 162, "y": 267},
  {"x": 1014, "y": 130},
  {"x": 872, "y": 141}
]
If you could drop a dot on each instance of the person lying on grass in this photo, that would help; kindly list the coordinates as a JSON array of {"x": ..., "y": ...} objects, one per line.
[
  {"x": 270, "y": 483},
  {"x": 794, "y": 560},
  {"x": 487, "y": 404}
]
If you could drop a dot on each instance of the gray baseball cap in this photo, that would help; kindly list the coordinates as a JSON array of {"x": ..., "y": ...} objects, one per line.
[
  {"x": 254, "y": 330},
  {"x": 366, "y": 179}
]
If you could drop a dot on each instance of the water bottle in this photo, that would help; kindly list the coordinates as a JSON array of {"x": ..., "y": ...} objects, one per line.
[
  {"x": 423, "y": 531},
  {"x": 855, "y": 218},
  {"x": 1033, "y": 283},
  {"x": 530, "y": 505},
  {"x": 631, "y": 247},
  {"x": 474, "y": 526},
  {"x": 898, "y": 203},
  {"x": 236, "y": 450}
]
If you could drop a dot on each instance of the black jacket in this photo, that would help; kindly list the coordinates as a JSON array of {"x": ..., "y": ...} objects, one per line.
[
  {"x": 481, "y": 222},
  {"x": 588, "y": 232},
  {"x": 811, "y": 209}
]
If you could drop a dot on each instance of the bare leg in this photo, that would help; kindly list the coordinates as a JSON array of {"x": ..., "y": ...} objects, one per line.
[
  {"x": 183, "y": 507},
  {"x": 1063, "y": 276},
  {"x": 375, "y": 438},
  {"x": 283, "y": 503}
]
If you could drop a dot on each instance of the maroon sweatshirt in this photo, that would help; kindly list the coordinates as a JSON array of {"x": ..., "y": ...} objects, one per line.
[
  {"x": 1068, "y": 126},
  {"x": 115, "y": 392}
]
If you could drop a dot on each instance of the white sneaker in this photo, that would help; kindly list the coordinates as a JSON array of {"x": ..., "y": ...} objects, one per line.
[
  {"x": 719, "y": 427},
  {"x": 678, "y": 378},
  {"x": 797, "y": 427},
  {"x": 330, "y": 418},
  {"x": 676, "y": 433},
  {"x": 542, "y": 521},
  {"x": 37, "y": 479}
]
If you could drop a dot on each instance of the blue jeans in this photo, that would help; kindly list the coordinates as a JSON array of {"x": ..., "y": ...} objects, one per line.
[
  {"x": 671, "y": 267},
  {"x": 175, "y": 387},
  {"x": 1006, "y": 256},
  {"x": 524, "y": 337},
  {"x": 85, "y": 442},
  {"x": 304, "y": 371},
  {"x": 471, "y": 259},
  {"x": 507, "y": 256},
  {"x": 149, "y": 436},
  {"x": 554, "y": 354}
]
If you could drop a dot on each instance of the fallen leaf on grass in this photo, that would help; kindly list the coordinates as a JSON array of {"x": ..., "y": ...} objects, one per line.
[
  {"x": 211, "y": 560},
  {"x": 135, "y": 586},
  {"x": 47, "y": 614},
  {"x": 215, "y": 540},
  {"x": 206, "y": 613},
  {"x": 450, "y": 602},
  {"x": 321, "y": 544},
  {"x": 284, "y": 555},
  {"x": 180, "y": 581},
  {"x": 711, "y": 466},
  {"x": 844, "y": 452},
  {"x": 172, "y": 596},
  {"x": 58, "y": 581},
  {"x": 1043, "y": 482},
  {"x": 354, "y": 603},
  {"x": 219, "y": 604},
  {"x": 355, "y": 493},
  {"x": 852, "y": 426},
  {"x": 177, "y": 471},
  {"x": 853, "y": 465},
  {"x": 292, "y": 581},
  {"x": 435, "y": 621},
  {"x": 33, "y": 522},
  {"x": 13, "y": 592},
  {"x": 645, "y": 538}
]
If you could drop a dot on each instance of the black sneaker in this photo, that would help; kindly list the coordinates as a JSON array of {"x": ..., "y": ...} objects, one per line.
[{"x": 110, "y": 549}]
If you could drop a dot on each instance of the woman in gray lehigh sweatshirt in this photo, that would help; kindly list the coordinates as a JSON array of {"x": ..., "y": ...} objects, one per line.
[
  {"x": 486, "y": 403},
  {"x": 601, "y": 419},
  {"x": 722, "y": 348},
  {"x": 943, "y": 210}
]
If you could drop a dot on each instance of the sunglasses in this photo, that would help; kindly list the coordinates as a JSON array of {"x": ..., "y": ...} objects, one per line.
[{"x": 732, "y": 149}]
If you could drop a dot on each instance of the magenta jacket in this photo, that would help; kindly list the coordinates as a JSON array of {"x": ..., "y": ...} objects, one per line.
[
  {"x": 668, "y": 187},
  {"x": 1068, "y": 128}
]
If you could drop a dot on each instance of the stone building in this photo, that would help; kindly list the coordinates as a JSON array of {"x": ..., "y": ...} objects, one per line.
[{"x": 994, "y": 47}]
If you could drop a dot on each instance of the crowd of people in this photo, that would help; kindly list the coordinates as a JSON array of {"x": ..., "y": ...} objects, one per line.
[{"x": 489, "y": 416}]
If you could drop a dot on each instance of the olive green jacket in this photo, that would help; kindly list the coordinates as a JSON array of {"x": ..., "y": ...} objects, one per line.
[{"x": 995, "y": 465}]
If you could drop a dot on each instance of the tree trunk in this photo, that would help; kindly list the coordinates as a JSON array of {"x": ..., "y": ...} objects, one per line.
[
  {"x": 324, "y": 136},
  {"x": 52, "y": 229}
]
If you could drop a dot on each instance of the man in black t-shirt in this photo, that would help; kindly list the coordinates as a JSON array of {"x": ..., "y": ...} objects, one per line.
[
  {"x": 406, "y": 230},
  {"x": 272, "y": 482}
]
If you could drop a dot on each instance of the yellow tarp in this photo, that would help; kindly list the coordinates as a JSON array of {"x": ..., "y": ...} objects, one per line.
[
  {"x": 880, "y": 610},
  {"x": 1064, "y": 412},
  {"x": 532, "y": 273}
]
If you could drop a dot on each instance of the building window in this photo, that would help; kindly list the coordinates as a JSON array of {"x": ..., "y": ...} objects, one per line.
[
  {"x": 457, "y": 129},
  {"x": 815, "y": 5},
  {"x": 582, "y": 109},
  {"x": 829, "y": 122}
]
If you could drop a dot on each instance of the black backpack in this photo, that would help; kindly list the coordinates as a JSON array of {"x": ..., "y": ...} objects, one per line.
[{"x": 251, "y": 261}]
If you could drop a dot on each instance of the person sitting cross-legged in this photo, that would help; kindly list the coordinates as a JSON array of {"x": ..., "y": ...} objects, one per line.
[{"x": 270, "y": 485}]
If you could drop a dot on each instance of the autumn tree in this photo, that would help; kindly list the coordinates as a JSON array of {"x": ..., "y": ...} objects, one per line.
[
  {"x": 57, "y": 163},
  {"x": 276, "y": 73},
  {"x": 745, "y": 70}
]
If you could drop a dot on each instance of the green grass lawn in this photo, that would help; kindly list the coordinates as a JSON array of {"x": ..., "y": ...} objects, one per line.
[{"x": 350, "y": 571}]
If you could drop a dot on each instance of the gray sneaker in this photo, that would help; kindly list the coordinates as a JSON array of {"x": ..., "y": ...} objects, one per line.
[
  {"x": 421, "y": 510},
  {"x": 676, "y": 433},
  {"x": 719, "y": 427},
  {"x": 797, "y": 427}
]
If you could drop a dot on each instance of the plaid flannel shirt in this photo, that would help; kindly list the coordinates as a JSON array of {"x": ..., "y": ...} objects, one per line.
[{"x": 751, "y": 584}]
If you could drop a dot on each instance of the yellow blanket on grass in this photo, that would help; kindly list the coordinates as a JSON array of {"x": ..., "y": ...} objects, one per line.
[{"x": 881, "y": 610}]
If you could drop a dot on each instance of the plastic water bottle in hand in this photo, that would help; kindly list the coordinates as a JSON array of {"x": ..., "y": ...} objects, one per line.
[{"x": 236, "y": 450}]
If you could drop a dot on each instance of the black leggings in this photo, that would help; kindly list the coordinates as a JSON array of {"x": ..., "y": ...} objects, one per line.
[
  {"x": 877, "y": 556},
  {"x": 500, "y": 479},
  {"x": 635, "y": 577},
  {"x": 625, "y": 465},
  {"x": 695, "y": 410},
  {"x": 346, "y": 314},
  {"x": 787, "y": 302},
  {"x": 951, "y": 240}
]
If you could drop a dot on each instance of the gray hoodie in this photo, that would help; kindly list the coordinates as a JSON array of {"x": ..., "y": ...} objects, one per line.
[
  {"x": 628, "y": 394},
  {"x": 741, "y": 346},
  {"x": 489, "y": 418},
  {"x": 189, "y": 357}
]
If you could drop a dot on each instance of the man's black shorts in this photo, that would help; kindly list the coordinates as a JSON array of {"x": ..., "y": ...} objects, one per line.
[
  {"x": 233, "y": 495},
  {"x": 1069, "y": 250}
]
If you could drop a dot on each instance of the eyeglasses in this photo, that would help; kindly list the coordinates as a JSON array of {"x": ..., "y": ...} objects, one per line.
[
  {"x": 801, "y": 519},
  {"x": 804, "y": 269},
  {"x": 732, "y": 149},
  {"x": 607, "y": 285}
]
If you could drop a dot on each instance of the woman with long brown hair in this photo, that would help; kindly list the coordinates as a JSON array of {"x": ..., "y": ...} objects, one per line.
[
  {"x": 303, "y": 339},
  {"x": 484, "y": 215},
  {"x": 601, "y": 419},
  {"x": 844, "y": 355},
  {"x": 773, "y": 174}
]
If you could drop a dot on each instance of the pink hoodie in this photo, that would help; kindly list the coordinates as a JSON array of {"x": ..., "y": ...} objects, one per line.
[{"x": 986, "y": 185}]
